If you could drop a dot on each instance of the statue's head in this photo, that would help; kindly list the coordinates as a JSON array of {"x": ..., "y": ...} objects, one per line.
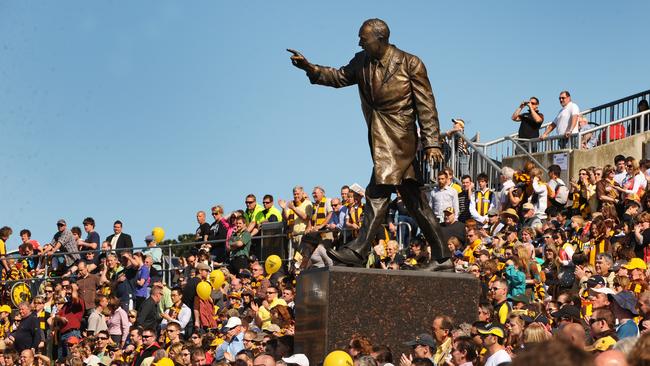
[{"x": 373, "y": 36}]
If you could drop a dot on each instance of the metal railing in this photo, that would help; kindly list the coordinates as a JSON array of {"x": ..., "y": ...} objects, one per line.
[
  {"x": 615, "y": 130},
  {"x": 603, "y": 114}
]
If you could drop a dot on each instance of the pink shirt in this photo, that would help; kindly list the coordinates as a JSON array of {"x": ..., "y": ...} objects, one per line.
[{"x": 118, "y": 324}]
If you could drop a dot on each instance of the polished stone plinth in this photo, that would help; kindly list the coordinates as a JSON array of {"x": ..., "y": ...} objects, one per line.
[{"x": 389, "y": 307}]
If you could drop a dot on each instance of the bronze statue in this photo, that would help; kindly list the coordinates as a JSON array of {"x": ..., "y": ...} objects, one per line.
[{"x": 395, "y": 92}]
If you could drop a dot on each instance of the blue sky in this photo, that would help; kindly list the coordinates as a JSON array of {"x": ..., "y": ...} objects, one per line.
[{"x": 149, "y": 111}]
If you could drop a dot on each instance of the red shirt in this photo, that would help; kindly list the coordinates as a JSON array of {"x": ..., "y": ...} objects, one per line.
[{"x": 73, "y": 312}]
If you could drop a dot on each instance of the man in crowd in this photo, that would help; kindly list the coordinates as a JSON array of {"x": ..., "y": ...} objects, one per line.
[
  {"x": 252, "y": 209},
  {"x": 149, "y": 313},
  {"x": 27, "y": 335},
  {"x": 203, "y": 231},
  {"x": 464, "y": 198},
  {"x": 493, "y": 336},
  {"x": 268, "y": 214},
  {"x": 92, "y": 241},
  {"x": 442, "y": 327},
  {"x": 119, "y": 240},
  {"x": 443, "y": 196},
  {"x": 179, "y": 312},
  {"x": 88, "y": 284},
  {"x": 530, "y": 121},
  {"x": 423, "y": 347},
  {"x": 71, "y": 315},
  {"x": 566, "y": 121},
  {"x": 297, "y": 213},
  {"x": 149, "y": 346},
  {"x": 234, "y": 340},
  {"x": 64, "y": 241},
  {"x": 336, "y": 222}
]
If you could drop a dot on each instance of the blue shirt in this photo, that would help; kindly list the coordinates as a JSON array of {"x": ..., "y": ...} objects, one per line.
[
  {"x": 143, "y": 291},
  {"x": 627, "y": 329},
  {"x": 233, "y": 347},
  {"x": 339, "y": 219}
]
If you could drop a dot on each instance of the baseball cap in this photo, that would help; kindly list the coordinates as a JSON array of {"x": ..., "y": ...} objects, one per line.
[
  {"x": 636, "y": 263},
  {"x": 459, "y": 121},
  {"x": 5, "y": 309},
  {"x": 493, "y": 212},
  {"x": 596, "y": 281},
  {"x": 520, "y": 298},
  {"x": 602, "y": 344},
  {"x": 449, "y": 210},
  {"x": 603, "y": 290},
  {"x": 493, "y": 329},
  {"x": 567, "y": 312},
  {"x": 202, "y": 267},
  {"x": 148, "y": 238},
  {"x": 232, "y": 322},
  {"x": 528, "y": 206},
  {"x": 423, "y": 339},
  {"x": 61, "y": 222},
  {"x": 299, "y": 359},
  {"x": 165, "y": 361},
  {"x": 626, "y": 300}
]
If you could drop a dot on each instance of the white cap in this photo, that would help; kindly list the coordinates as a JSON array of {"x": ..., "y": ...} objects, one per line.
[
  {"x": 299, "y": 359},
  {"x": 603, "y": 290},
  {"x": 233, "y": 322}
]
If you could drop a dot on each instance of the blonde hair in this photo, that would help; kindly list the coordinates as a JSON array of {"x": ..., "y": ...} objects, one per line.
[{"x": 536, "y": 333}]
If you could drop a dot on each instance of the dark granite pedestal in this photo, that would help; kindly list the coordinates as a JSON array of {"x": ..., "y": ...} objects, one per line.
[{"x": 389, "y": 307}]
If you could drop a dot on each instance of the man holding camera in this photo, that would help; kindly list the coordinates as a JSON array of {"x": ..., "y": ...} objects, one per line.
[{"x": 530, "y": 121}]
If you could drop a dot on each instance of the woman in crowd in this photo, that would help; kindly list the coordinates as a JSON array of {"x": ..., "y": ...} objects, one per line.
[
  {"x": 393, "y": 259},
  {"x": 515, "y": 327},
  {"x": 118, "y": 322},
  {"x": 634, "y": 184}
]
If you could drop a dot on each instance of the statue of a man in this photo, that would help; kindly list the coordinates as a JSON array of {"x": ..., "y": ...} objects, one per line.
[{"x": 395, "y": 93}]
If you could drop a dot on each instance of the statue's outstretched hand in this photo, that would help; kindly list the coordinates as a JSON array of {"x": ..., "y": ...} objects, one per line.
[
  {"x": 299, "y": 61},
  {"x": 434, "y": 155}
]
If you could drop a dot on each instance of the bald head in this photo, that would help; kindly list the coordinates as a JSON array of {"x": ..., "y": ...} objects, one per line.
[
  {"x": 264, "y": 360},
  {"x": 610, "y": 358},
  {"x": 574, "y": 334}
]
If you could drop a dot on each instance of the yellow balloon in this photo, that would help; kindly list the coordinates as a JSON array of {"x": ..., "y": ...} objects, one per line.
[
  {"x": 338, "y": 358},
  {"x": 272, "y": 264},
  {"x": 203, "y": 290},
  {"x": 216, "y": 278},
  {"x": 158, "y": 234}
]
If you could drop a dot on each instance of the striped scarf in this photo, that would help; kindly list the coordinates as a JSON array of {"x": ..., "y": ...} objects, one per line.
[{"x": 319, "y": 215}]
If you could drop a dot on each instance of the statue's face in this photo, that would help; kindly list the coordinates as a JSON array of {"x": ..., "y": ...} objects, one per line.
[{"x": 369, "y": 42}]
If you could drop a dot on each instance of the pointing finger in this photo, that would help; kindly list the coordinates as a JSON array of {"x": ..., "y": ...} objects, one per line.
[{"x": 296, "y": 53}]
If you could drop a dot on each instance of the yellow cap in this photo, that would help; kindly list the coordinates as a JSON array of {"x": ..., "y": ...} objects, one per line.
[
  {"x": 165, "y": 361},
  {"x": 636, "y": 263}
]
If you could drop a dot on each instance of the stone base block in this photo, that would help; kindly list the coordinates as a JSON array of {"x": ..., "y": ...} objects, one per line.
[{"x": 389, "y": 307}]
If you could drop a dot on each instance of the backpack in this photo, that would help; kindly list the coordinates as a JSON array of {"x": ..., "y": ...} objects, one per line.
[{"x": 561, "y": 193}]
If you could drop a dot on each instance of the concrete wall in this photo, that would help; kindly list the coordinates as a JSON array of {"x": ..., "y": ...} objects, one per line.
[{"x": 637, "y": 146}]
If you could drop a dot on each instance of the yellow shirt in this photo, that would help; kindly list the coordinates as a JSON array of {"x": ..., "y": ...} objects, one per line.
[
  {"x": 443, "y": 352},
  {"x": 265, "y": 315}
]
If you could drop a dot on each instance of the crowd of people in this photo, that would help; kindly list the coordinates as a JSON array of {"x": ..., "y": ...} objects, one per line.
[{"x": 561, "y": 264}]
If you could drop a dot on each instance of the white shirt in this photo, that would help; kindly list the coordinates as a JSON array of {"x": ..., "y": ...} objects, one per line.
[
  {"x": 620, "y": 177},
  {"x": 114, "y": 240},
  {"x": 498, "y": 357},
  {"x": 442, "y": 199},
  {"x": 563, "y": 119},
  {"x": 502, "y": 198}
]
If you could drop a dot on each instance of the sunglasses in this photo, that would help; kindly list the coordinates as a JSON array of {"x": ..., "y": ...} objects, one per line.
[
  {"x": 148, "y": 336},
  {"x": 266, "y": 202},
  {"x": 249, "y": 202}
]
